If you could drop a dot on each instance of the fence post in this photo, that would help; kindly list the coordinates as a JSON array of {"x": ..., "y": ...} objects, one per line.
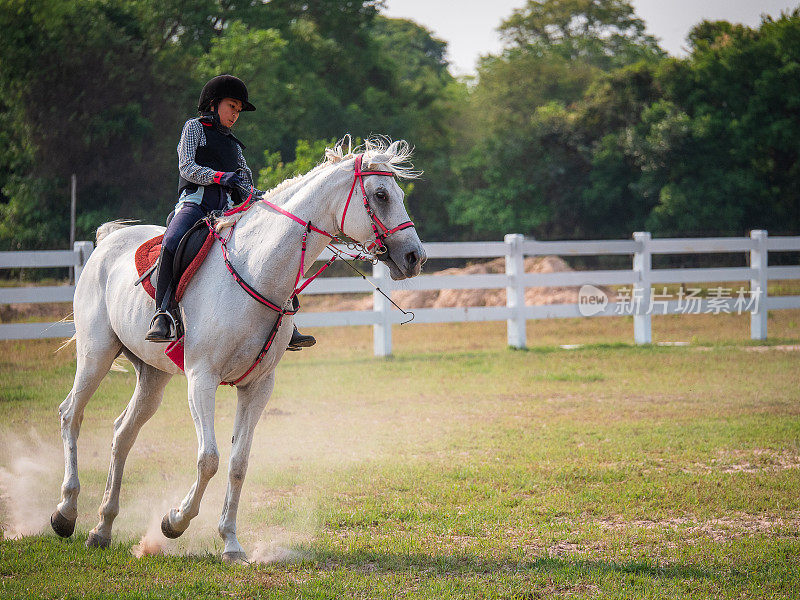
[
  {"x": 758, "y": 285},
  {"x": 83, "y": 250},
  {"x": 382, "y": 330},
  {"x": 642, "y": 264},
  {"x": 515, "y": 290}
]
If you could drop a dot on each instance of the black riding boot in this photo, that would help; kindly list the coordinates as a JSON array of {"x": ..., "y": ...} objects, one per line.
[
  {"x": 163, "y": 327},
  {"x": 300, "y": 341}
]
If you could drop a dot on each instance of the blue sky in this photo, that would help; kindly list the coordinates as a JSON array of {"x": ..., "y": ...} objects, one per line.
[{"x": 469, "y": 26}]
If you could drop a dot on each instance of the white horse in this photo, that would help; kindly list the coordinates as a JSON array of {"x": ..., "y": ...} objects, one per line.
[{"x": 225, "y": 328}]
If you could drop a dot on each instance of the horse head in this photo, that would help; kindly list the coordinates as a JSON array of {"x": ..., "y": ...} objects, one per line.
[{"x": 374, "y": 214}]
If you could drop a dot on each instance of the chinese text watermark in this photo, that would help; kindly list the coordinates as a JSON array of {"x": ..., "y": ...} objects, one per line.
[{"x": 685, "y": 301}]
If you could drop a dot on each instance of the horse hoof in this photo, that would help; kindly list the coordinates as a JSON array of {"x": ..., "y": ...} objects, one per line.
[
  {"x": 167, "y": 529},
  {"x": 63, "y": 526},
  {"x": 97, "y": 541},
  {"x": 234, "y": 558}
]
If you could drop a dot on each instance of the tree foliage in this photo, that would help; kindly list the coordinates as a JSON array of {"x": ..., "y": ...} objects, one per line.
[
  {"x": 580, "y": 128},
  {"x": 603, "y": 33},
  {"x": 101, "y": 88},
  {"x": 86, "y": 92},
  {"x": 698, "y": 146}
]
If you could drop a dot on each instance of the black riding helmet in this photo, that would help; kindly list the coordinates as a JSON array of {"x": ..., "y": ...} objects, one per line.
[{"x": 223, "y": 86}]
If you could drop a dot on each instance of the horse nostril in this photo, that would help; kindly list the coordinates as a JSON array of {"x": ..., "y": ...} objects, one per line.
[{"x": 411, "y": 259}]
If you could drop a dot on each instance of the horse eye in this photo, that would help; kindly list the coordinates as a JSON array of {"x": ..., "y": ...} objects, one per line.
[{"x": 381, "y": 195}]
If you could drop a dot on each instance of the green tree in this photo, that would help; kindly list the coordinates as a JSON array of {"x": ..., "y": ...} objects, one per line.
[
  {"x": 307, "y": 155},
  {"x": 102, "y": 87},
  {"x": 83, "y": 92},
  {"x": 428, "y": 105},
  {"x": 614, "y": 204},
  {"x": 695, "y": 146},
  {"x": 573, "y": 72},
  {"x": 526, "y": 182},
  {"x": 722, "y": 152},
  {"x": 603, "y": 33}
]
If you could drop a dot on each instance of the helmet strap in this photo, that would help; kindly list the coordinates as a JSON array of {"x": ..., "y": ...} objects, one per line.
[{"x": 213, "y": 116}]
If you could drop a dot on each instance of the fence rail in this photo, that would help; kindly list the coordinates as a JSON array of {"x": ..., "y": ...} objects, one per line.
[{"x": 641, "y": 280}]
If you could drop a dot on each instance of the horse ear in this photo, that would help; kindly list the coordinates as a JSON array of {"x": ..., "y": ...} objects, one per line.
[
  {"x": 333, "y": 155},
  {"x": 380, "y": 159},
  {"x": 386, "y": 155}
]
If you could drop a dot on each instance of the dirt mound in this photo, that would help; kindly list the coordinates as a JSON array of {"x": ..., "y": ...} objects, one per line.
[{"x": 492, "y": 297}]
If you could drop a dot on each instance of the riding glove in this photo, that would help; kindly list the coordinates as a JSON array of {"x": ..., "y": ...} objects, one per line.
[{"x": 228, "y": 179}]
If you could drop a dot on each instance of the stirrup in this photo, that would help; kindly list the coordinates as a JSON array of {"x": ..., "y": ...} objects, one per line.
[{"x": 173, "y": 330}]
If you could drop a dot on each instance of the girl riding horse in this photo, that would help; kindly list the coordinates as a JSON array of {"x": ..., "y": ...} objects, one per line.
[{"x": 213, "y": 175}]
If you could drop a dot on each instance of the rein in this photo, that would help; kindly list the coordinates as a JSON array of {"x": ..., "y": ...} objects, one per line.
[{"x": 379, "y": 229}]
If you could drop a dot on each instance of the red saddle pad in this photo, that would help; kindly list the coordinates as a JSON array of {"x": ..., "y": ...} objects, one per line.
[{"x": 147, "y": 254}]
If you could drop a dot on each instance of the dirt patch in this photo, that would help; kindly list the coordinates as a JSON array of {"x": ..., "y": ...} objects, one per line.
[
  {"x": 758, "y": 460},
  {"x": 782, "y": 348},
  {"x": 563, "y": 549},
  {"x": 720, "y": 529},
  {"x": 553, "y": 548}
]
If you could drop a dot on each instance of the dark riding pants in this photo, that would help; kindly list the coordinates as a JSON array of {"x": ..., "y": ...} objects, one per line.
[{"x": 214, "y": 198}]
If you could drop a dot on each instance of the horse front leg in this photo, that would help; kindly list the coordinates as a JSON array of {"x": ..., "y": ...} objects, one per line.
[
  {"x": 202, "y": 390},
  {"x": 251, "y": 402}
]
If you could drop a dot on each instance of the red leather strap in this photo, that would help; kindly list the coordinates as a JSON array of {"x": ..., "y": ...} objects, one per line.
[
  {"x": 358, "y": 176},
  {"x": 380, "y": 230},
  {"x": 261, "y": 299},
  {"x": 295, "y": 218}
]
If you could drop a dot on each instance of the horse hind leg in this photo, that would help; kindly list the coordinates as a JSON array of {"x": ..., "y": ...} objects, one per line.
[
  {"x": 150, "y": 384},
  {"x": 92, "y": 365}
]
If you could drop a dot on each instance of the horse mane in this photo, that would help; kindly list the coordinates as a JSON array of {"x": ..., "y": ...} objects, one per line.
[{"x": 379, "y": 152}]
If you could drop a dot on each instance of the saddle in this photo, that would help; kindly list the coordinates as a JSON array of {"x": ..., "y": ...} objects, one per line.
[{"x": 192, "y": 251}]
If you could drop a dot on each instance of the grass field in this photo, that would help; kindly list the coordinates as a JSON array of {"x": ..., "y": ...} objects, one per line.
[{"x": 458, "y": 468}]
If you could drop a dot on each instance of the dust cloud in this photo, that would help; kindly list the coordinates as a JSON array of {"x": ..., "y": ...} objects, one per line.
[
  {"x": 153, "y": 542},
  {"x": 30, "y": 469},
  {"x": 304, "y": 448},
  {"x": 268, "y": 553}
]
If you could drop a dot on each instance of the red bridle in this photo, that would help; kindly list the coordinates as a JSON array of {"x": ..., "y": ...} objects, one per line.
[{"x": 379, "y": 229}]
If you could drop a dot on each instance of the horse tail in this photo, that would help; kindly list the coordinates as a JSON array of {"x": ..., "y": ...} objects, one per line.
[
  {"x": 66, "y": 344},
  {"x": 111, "y": 227}
]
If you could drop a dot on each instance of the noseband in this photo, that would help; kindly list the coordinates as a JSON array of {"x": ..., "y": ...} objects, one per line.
[{"x": 379, "y": 229}]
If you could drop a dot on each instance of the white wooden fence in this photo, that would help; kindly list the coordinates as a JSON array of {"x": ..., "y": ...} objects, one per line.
[
  {"x": 640, "y": 281},
  {"x": 75, "y": 258}
]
